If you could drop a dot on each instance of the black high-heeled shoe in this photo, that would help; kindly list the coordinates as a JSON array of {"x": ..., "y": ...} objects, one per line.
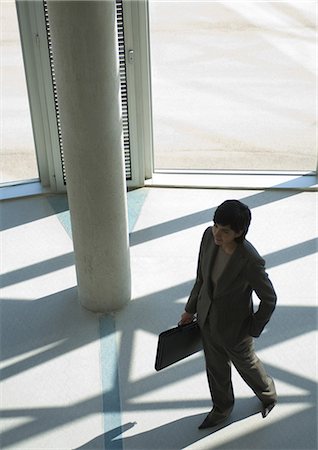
[
  {"x": 266, "y": 408},
  {"x": 212, "y": 419}
]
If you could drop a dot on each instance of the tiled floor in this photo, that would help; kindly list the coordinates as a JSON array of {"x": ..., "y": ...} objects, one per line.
[{"x": 73, "y": 379}]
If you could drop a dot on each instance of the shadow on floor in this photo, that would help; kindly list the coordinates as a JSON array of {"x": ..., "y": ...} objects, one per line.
[
  {"x": 287, "y": 433},
  {"x": 174, "y": 435}
]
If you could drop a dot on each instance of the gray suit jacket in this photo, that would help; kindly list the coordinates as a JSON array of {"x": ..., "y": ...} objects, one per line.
[{"x": 230, "y": 305}]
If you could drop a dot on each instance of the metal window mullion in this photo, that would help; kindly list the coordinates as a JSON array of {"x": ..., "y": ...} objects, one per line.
[{"x": 34, "y": 43}]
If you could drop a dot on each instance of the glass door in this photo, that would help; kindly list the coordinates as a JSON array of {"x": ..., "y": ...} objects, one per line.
[{"x": 234, "y": 85}]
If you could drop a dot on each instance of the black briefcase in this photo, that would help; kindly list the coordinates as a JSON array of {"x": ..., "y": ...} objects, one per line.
[{"x": 177, "y": 343}]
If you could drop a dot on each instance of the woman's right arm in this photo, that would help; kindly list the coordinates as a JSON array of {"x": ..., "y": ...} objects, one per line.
[{"x": 191, "y": 306}]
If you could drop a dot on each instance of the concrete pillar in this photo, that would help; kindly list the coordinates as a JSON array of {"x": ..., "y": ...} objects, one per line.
[{"x": 86, "y": 68}]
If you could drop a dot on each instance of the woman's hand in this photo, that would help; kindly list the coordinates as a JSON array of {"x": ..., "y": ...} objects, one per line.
[{"x": 186, "y": 318}]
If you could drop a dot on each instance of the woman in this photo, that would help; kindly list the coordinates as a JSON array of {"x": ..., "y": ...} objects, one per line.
[{"x": 229, "y": 270}]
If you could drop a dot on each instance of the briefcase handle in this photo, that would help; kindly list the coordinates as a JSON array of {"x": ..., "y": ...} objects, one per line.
[{"x": 194, "y": 321}]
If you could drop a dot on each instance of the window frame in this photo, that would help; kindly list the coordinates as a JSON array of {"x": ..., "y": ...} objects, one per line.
[
  {"x": 40, "y": 91},
  {"x": 137, "y": 48},
  {"x": 238, "y": 178},
  {"x": 138, "y": 71}
]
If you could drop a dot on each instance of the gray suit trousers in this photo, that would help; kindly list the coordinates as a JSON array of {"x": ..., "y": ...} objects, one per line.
[{"x": 218, "y": 358}]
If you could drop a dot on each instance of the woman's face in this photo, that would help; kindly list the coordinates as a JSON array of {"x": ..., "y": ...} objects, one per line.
[{"x": 224, "y": 235}]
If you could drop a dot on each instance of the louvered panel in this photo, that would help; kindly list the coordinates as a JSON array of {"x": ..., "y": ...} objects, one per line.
[
  {"x": 123, "y": 85},
  {"x": 57, "y": 113}
]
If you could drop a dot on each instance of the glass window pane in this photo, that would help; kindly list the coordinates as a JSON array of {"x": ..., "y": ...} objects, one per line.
[
  {"x": 18, "y": 159},
  {"x": 234, "y": 85}
]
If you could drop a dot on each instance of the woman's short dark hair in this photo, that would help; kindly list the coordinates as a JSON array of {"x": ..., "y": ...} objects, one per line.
[{"x": 235, "y": 214}]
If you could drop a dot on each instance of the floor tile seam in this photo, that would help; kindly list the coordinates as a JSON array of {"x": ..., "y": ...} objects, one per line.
[{"x": 109, "y": 358}]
